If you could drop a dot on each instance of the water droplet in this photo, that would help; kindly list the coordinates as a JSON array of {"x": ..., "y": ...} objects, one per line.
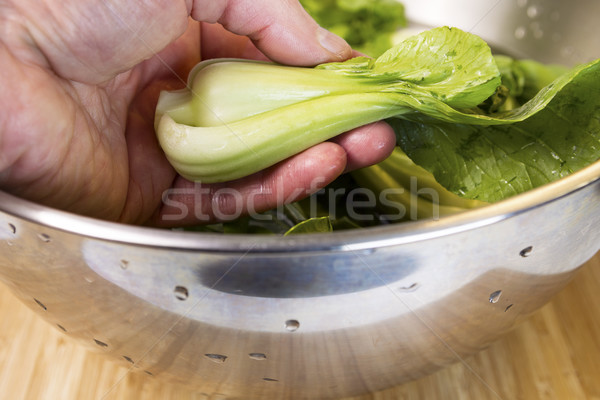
[
  {"x": 520, "y": 32},
  {"x": 567, "y": 51},
  {"x": 495, "y": 296},
  {"x": 124, "y": 264},
  {"x": 533, "y": 11},
  {"x": 181, "y": 293},
  {"x": 537, "y": 30},
  {"x": 218, "y": 358},
  {"x": 258, "y": 356},
  {"x": 292, "y": 325}
]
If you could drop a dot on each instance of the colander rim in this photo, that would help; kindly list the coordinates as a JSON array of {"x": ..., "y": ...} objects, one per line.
[{"x": 347, "y": 240}]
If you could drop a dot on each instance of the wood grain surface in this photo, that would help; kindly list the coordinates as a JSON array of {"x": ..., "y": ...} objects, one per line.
[{"x": 553, "y": 354}]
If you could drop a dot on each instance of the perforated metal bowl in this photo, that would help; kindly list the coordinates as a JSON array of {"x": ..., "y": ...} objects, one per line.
[{"x": 319, "y": 316}]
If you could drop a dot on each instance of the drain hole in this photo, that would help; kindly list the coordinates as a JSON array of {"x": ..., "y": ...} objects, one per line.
[
  {"x": 13, "y": 229},
  {"x": 181, "y": 292},
  {"x": 495, "y": 296},
  {"x": 128, "y": 359},
  {"x": 149, "y": 373},
  {"x": 526, "y": 251},
  {"x": 292, "y": 325},
  {"x": 508, "y": 307},
  {"x": 270, "y": 380},
  {"x": 257, "y": 356},
  {"x": 41, "y": 304},
  {"x": 62, "y": 328},
  {"x": 218, "y": 358},
  {"x": 99, "y": 343},
  {"x": 409, "y": 288},
  {"x": 44, "y": 237}
]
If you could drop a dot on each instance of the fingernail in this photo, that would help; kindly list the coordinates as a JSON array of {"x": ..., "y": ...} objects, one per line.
[{"x": 332, "y": 42}]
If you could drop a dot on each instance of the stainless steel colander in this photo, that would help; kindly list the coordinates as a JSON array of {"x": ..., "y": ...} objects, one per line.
[{"x": 320, "y": 316}]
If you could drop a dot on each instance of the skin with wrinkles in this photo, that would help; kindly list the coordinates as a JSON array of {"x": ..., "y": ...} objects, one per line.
[{"x": 80, "y": 82}]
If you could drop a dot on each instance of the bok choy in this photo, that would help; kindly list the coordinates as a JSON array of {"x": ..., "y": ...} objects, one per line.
[
  {"x": 237, "y": 117},
  {"x": 483, "y": 127}
]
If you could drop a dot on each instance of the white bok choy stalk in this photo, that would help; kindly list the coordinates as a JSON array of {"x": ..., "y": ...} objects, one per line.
[{"x": 236, "y": 117}]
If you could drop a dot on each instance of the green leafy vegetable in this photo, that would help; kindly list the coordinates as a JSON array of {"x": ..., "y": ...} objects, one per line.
[
  {"x": 529, "y": 76},
  {"x": 472, "y": 128},
  {"x": 490, "y": 163},
  {"x": 238, "y": 117},
  {"x": 367, "y": 25},
  {"x": 405, "y": 191}
]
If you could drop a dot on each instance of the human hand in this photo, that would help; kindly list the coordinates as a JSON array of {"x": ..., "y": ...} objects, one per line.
[{"x": 80, "y": 83}]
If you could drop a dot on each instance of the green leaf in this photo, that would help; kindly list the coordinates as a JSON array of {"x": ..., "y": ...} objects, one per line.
[
  {"x": 521, "y": 82},
  {"x": 555, "y": 134},
  {"x": 442, "y": 65},
  {"x": 404, "y": 190},
  {"x": 312, "y": 225},
  {"x": 443, "y": 60}
]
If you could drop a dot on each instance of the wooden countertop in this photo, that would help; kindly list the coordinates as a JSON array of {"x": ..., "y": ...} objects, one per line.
[{"x": 554, "y": 354}]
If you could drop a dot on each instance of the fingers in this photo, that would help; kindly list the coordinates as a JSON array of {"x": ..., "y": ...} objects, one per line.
[
  {"x": 367, "y": 145},
  {"x": 189, "y": 203},
  {"x": 95, "y": 40},
  {"x": 281, "y": 29},
  {"x": 218, "y": 42}
]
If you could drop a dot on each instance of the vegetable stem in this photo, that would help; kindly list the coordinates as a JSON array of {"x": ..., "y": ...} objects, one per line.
[{"x": 238, "y": 117}]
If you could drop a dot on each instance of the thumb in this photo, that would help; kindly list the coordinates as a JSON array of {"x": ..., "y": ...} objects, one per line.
[{"x": 281, "y": 29}]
